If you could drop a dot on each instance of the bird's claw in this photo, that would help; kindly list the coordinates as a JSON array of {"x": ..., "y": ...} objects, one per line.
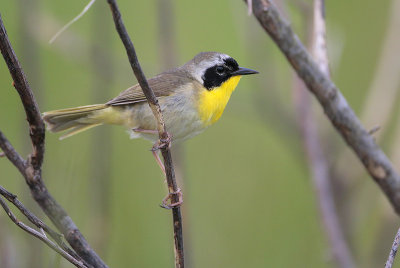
[
  {"x": 169, "y": 197},
  {"x": 162, "y": 143}
]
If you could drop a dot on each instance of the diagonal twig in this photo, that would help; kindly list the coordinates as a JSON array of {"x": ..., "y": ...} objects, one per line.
[
  {"x": 36, "y": 221},
  {"x": 393, "y": 251},
  {"x": 331, "y": 99},
  {"x": 65, "y": 27},
  {"x": 31, "y": 168},
  {"x": 61, "y": 248},
  {"x": 163, "y": 135},
  {"x": 36, "y": 125},
  {"x": 12, "y": 154},
  {"x": 340, "y": 249}
]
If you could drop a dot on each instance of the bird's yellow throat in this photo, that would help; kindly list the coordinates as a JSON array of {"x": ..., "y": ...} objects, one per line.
[{"x": 212, "y": 103}]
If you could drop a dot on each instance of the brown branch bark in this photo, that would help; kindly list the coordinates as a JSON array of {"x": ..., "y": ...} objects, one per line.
[
  {"x": 61, "y": 249},
  {"x": 331, "y": 99},
  {"x": 31, "y": 168},
  {"x": 163, "y": 135}
]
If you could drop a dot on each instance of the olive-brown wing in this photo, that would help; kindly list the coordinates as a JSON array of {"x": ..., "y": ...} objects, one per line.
[{"x": 163, "y": 85}]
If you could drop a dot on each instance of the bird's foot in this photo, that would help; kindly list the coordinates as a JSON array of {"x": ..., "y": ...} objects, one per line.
[
  {"x": 164, "y": 142},
  {"x": 169, "y": 197}
]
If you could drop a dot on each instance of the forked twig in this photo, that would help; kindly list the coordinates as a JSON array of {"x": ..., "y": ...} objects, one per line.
[
  {"x": 31, "y": 169},
  {"x": 61, "y": 248}
]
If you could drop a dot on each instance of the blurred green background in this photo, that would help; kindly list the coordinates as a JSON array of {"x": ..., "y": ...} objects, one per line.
[{"x": 249, "y": 199}]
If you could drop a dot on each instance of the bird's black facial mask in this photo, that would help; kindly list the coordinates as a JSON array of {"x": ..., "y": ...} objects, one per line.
[{"x": 218, "y": 74}]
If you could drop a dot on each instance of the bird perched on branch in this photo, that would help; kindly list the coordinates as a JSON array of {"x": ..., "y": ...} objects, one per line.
[{"x": 192, "y": 97}]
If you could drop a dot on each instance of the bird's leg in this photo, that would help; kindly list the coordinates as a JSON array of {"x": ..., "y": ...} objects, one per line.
[
  {"x": 146, "y": 131},
  {"x": 155, "y": 148},
  {"x": 163, "y": 143},
  {"x": 158, "y": 160},
  {"x": 169, "y": 197}
]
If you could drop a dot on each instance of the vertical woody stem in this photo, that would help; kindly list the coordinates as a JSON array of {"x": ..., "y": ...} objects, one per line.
[{"x": 163, "y": 135}]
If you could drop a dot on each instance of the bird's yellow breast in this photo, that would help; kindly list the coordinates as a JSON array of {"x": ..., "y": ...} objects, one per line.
[{"x": 213, "y": 102}]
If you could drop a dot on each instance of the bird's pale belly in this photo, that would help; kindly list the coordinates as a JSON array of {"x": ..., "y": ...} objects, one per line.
[{"x": 181, "y": 119}]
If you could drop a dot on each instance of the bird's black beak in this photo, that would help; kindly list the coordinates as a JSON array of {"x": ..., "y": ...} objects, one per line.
[{"x": 244, "y": 71}]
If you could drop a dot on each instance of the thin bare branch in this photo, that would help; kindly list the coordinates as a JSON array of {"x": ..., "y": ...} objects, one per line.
[
  {"x": 36, "y": 221},
  {"x": 66, "y": 26},
  {"x": 164, "y": 137},
  {"x": 333, "y": 102},
  {"x": 318, "y": 47},
  {"x": 11, "y": 154},
  {"x": 40, "y": 235},
  {"x": 169, "y": 59},
  {"x": 250, "y": 7},
  {"x": 321, "y": 178},
  {"x": 52, "y": 209},
  {"x": 393, "y": 251},
  {"x": 309, "y": 131},
  {"x": 36, "y": 125},
  {"x": 316, "y": 156},
  {"x": 31, "y": 169}
]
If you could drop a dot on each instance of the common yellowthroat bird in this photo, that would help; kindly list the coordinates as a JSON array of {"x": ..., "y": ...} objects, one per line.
[{"x": 192, "y": 97}]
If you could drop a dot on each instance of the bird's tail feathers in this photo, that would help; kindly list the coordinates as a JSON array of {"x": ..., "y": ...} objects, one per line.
[{"x": 75, "y": 120}]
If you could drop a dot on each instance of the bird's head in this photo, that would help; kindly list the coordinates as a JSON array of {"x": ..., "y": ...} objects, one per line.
[{"x": 212, "y": 69}]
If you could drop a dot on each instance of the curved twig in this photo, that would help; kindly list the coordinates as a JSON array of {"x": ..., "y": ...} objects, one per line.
[
  {"x": 164, "y": 137},
  {"x": 66, "y": 26},
  {"x": 61, "y": 249},
  {"x": 333, "y": 102},
  {"x": 31, "y": 169}
]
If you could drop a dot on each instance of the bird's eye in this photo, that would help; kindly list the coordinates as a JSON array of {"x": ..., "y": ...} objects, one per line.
[{"x": 220, "y": 70}]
